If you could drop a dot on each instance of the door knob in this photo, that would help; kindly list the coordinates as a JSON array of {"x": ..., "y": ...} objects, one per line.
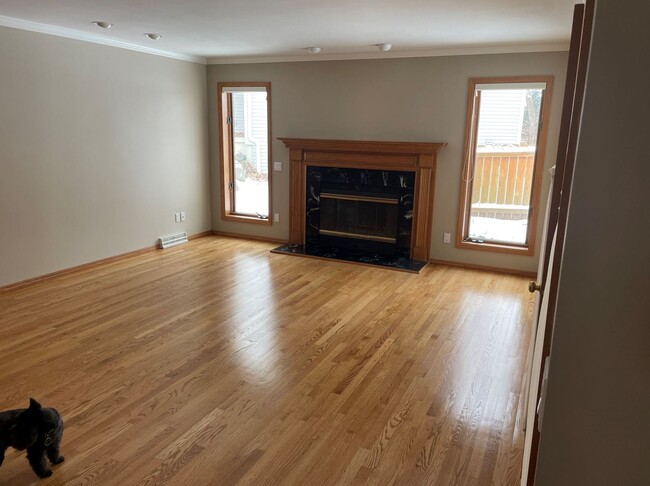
[{"x": 534, "y": 287}]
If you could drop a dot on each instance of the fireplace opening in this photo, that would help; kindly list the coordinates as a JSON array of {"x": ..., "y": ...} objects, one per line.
[
  {"x": 365, "y": 211},
  {"x": 359, "y": 220}
]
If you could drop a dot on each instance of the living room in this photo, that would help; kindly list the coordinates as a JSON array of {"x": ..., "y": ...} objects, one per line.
[{"x": 217, "y": 361}]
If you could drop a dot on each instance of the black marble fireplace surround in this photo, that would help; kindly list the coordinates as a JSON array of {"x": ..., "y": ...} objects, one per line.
[{"x": 359, "y": 215}]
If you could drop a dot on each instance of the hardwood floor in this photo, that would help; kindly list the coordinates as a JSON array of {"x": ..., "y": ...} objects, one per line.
[{"x": 218, "y": 363}]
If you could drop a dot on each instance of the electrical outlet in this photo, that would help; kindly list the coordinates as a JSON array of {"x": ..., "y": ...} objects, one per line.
[
  {"x": 276, "y": 217},
  {"x": 446, "y": 237},
  {"x": 277, "y": 166},
  {"x": 182, "y": 213},
  {"x": 177, "y": 217}
]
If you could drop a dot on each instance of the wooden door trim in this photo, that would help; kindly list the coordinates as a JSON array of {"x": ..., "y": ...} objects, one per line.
[
  {"x": 565, "y": 126},
  {"x": 583, "y": 20}
]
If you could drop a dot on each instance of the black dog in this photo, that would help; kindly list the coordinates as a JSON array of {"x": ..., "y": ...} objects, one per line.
[{"x": 37, "y": 429}]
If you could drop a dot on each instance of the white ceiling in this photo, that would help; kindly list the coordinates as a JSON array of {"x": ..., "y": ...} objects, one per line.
[{"x": 237, "y": 30}]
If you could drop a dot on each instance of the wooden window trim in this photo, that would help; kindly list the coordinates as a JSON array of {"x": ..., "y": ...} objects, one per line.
[
  {"x": 225, "y": 155},
  {"x": 468, "y": 167}
]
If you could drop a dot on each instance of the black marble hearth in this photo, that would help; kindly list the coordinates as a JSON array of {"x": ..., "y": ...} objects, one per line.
[{"x": 396, "y": 262}]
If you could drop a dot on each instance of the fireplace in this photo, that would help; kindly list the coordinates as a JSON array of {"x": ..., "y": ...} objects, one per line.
[{"x": 368, "y": 202}]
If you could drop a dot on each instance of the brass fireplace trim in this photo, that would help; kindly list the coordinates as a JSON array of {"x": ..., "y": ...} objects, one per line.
[
  {"x": 418, "y": 157},
  {"x": 350, "y": 197},
  {"x": 358, "y": 236}
]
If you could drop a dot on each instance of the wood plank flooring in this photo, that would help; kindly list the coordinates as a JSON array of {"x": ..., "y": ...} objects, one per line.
[{"x": 219, "y": 363}]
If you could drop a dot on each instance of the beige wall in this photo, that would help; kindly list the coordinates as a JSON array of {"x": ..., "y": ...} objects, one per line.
[
  {"x": 421, "y": 99},
  {"x": 99, "y": 147},
  {"x": 596, "y": 428}
]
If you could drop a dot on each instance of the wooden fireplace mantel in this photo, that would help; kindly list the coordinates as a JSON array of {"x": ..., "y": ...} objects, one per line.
[{"x": 419, "y": 157}]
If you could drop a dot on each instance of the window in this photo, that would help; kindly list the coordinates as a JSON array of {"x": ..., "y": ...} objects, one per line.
[
  {"x": 245, "y": 150},
  {"x": 503, "y": 160}
]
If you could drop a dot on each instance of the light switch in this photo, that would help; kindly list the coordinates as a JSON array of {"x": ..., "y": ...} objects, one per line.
[{"x": 277, "y": 166}]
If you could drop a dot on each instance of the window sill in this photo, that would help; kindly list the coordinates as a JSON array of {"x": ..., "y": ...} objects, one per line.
[
  {"x": 496, "y": 247},
  {"x": 240, "y": 218}
]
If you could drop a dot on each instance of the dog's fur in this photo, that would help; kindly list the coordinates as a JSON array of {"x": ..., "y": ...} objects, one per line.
[{"x": 35, "y": 429}]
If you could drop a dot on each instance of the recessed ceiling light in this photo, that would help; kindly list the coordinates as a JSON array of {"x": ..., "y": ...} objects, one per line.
[
  {"x": 102, "y": 23},
  {"x": 153, "y": 36},
  {"x": 384, "y": 47},
  {"x": 314, "y": 50}
]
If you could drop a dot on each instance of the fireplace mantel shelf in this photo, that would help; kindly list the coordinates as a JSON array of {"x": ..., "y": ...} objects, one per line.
[
  {"x": 419, "y": 157},
  {"x": 363, "y": 146}
]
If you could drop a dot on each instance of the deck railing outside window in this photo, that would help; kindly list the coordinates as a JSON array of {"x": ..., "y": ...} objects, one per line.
[{"x": 502, "y": 190}]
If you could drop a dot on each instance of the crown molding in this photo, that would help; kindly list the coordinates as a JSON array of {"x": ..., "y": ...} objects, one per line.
[
  {"x": 394, "y": 54},
  {"x": 95, "y": 39}
]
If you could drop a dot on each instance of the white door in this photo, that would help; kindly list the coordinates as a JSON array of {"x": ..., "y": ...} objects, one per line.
[{"x": 534, "y": 367}]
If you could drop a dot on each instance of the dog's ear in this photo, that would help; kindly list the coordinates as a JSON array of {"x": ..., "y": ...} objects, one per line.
[{"x": 34, "y": 405}]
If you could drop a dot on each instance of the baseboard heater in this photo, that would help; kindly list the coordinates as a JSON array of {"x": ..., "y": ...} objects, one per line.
[{"x": 172, "y": 240}]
